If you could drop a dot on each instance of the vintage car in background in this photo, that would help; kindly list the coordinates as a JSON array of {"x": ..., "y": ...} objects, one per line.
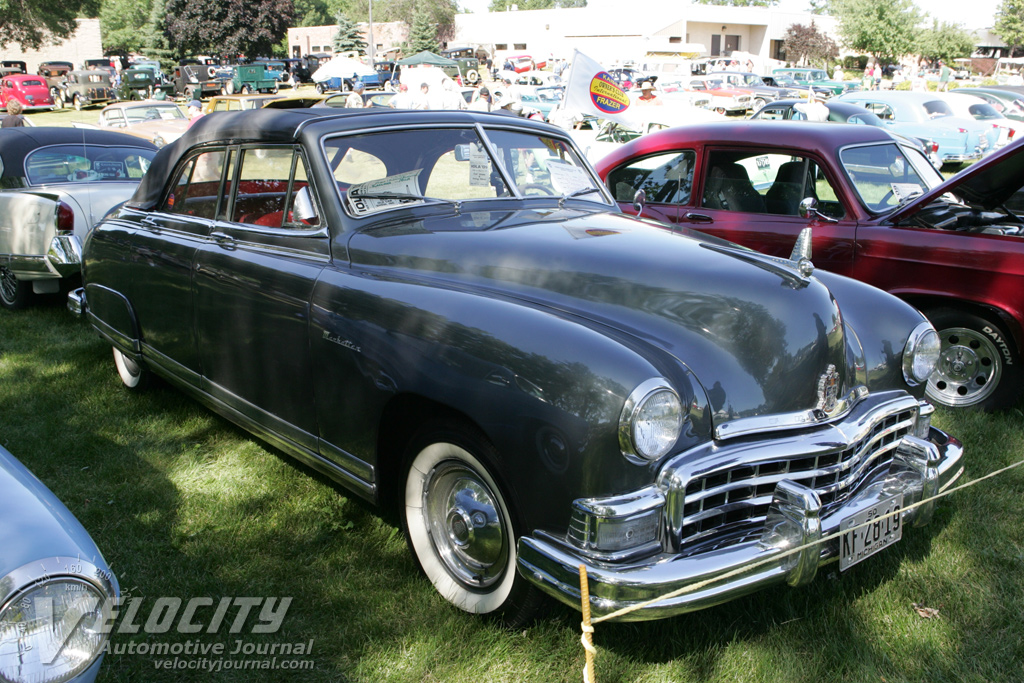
[
  {"x": 847, "y": 112},
  {"x": 816, "y": 78},
  {"x": 880, "y": 213},
  {"x": 142, "y": 84},
  {"x": 32, "y": 91},
  {"x": 1008, "y": 103},
  {"x": 445, "y": 312},
  {"x": 53, "y": 73},
  {"x": 959, "y": 139},
  {"x": 609, "y": 134},
  {"x": 196, "y": 81},
  {"x": 57, "y": 183},
  {"x": 724, "y": 99},
  {"x": 342, "y": 73},
  {"x": 761, "y": 92},
  {"x": 277, "y": 70},
  {"x": 468, "y": 68},
  {"x": 970, "y": 107},
  {"x": 251, "y": 78},
  {"x": 84, "y": 88},
  {"x": 56, "y": 590},
  {"x": 523, "y": 63},
  {"x": 12, "y": 66},
  {"x": 158, "y": 121},
  {"x": 237, "y": 102}
]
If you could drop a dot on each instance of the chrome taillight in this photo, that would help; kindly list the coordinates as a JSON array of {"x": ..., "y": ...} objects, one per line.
[{"x": 65, "y": 219}]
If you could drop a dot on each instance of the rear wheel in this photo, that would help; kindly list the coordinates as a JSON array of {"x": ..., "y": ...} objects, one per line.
[
  {"x": 460, "y": 525},
  {"x": 979, "y": 364},
  {"x": 77, "y": 102},
  {"x": 133, "y": 375},
  {"x": 320, "y": 88},
  {"x": 245, "y": 89},
  {"x": 14, "y": 293}
]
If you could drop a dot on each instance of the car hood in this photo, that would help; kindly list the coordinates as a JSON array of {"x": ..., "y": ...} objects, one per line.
[
  {"x": 34, "y": 524},
  {"x": 988, "y": 183},
  {"x": 757, "y": 337}
]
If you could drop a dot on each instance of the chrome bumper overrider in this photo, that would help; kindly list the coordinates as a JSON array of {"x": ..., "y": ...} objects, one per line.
[{"x": 918, "y": 469}]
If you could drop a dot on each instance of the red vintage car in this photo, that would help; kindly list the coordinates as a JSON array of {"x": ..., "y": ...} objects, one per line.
[
  {"x": 29, "y": 89},
  {"x": 879, "y": 212}
]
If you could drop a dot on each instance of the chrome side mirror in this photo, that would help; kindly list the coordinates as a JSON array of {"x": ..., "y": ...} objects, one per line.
[
  {"x": 809, "y": 209},
  {"x": 639, "y": 199}
]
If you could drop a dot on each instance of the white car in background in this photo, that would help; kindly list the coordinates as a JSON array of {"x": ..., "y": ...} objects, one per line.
[{"x": 971, "y": 107}]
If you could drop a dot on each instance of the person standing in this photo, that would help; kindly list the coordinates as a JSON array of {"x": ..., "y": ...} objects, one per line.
[
  {"x": 195, "y": 112},
  {"x": 402, "y": 99},
  {"x": 450, "y": 97},
  {"x": 355, "y": 98},
  {"x": 944, "y": 74},
  {"x": 483, "y": 100},
  {"x": 13, "y": 118},
  {"x": 647, "y": 96},
  {"x": 422, "y": 101}
]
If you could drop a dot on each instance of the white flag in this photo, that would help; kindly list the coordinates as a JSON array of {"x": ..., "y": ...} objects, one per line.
[{"x": 591, "y": 90}]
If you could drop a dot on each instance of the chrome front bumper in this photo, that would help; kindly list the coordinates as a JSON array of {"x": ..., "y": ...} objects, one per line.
[{"x": 919, "y": 469}]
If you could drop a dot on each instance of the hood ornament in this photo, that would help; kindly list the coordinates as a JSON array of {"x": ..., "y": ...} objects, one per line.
[
  {"x": 828, "y": 390},
  {"x": 801, "y": 254}
]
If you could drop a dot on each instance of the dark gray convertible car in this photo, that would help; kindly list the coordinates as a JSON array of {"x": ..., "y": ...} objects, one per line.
[{"x": 445, "y": 312}]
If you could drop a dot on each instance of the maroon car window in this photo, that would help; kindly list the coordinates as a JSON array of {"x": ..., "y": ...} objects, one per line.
[
  {"x": 765, "y": 181},
  {"x": 665, "y": 178}
]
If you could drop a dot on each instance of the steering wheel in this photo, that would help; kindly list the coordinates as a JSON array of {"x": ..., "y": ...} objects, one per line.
[{"x": 537, "y": 189}]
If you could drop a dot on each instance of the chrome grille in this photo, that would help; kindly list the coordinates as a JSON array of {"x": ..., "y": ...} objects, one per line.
[{"x": 740, "y": 494}]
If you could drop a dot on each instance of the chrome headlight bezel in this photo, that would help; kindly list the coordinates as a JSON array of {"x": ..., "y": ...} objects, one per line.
[
  {"x": 921, "y": 354},
  {"x": 653, "y": 394},
  {"x": 79, "y": 578}
]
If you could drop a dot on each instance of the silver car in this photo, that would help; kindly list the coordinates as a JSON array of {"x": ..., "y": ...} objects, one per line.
[
  {"x": 55, "y": 184},
  {"x": 56, "y": 590}
]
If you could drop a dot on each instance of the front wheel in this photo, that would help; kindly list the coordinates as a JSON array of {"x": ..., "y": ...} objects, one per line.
[
  {"x": 979, "y": 364},
  {"x": 77, "y": 102},
  {"x": 759, "y": 104},
  {"x": 320, "y": 88},
  {"x": 133, "y": 374},
  {"x": 460, "y": 527},
  {"x": 14, "y": 293}
]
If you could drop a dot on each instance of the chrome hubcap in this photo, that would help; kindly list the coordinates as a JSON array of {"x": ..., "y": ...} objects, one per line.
[
  {"x": 969, "y": 368},
  {"x": 466, "y": 525}
]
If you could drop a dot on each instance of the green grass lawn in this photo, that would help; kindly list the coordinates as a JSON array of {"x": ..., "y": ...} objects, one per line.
[{"x": 184, "y": 504}]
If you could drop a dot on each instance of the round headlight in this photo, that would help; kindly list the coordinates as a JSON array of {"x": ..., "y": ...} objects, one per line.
[
  {"x": 52, "y": 631},
  {"x": 921, "y": 354},
  {"x": 651, "y": 420}
]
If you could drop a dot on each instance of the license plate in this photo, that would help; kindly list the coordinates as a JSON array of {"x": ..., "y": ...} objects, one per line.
[{"x": 861, "y": 543}]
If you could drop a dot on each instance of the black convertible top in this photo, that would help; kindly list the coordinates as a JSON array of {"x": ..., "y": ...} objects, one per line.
[
  {"x": 287, "y": 125},
  {"x": 16, "y": 143}
]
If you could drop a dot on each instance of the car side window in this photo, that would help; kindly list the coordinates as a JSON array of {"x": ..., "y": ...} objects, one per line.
[
  {"x": 880, "y": 109},
  {"x": 766, "y": 182},
  {"x": 273, "y": 190},
  {"x": 196, "y": 192},
  {"x": 772, "y": 114},
  {"x": 666, "y": 178}
]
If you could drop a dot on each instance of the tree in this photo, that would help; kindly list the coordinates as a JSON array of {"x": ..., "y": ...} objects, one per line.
[
  {"x": 506, "y": 5},
  {"x": 31, "y": 23},
  {"x": 311, "y": 13},
  {"x": 440, "y": 13},
  {"x": 887, "y": 29},
  {"x": 155, "y": 43},
  {"x": 422, "y": 35},
  {"x": 122, "y": 25},
  {"x": 945, "y": 41},
  {"x": 348, "y": 38},
  {"x": 740, "y": 3},
  {"x": 806, "y": 44},
  {"x": 227, "y": 27},
  {"x": 1010, "y": 23}
]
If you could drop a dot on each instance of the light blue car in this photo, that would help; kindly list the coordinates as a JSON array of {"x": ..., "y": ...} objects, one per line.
[
  {"x": 56, "y": 590},
  {"x": 927, "y": 116}
]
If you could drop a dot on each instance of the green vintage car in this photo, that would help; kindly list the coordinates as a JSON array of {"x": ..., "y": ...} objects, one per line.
[
  {"x": 805, "y": 77},
  {"x": 143, "y": 84}
]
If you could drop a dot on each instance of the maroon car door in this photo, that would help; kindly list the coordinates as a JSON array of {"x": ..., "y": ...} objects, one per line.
[
  {"x": 752, "y": 197},
  {"x": 666, "y": 180}
]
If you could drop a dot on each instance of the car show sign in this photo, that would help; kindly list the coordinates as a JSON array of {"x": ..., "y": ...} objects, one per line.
[{"x": 592, "y": 90}]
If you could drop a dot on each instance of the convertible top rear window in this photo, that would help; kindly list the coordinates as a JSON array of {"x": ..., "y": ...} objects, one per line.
[{"x": 86, "y": 163}]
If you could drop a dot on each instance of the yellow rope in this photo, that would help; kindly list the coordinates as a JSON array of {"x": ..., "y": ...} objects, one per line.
[
  {"x": 588, "y": 631},
  {"x": 770, "y": 560}
]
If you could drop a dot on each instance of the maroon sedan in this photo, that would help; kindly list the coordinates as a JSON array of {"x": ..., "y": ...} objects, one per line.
[{"x": 879, "y": 212}]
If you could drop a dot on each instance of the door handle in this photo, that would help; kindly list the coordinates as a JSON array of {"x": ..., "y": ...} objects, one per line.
[
  {"x": 151, "y": 224},
  {"x": 699, "y": 218},
  {"x": 223, "y": 239}
]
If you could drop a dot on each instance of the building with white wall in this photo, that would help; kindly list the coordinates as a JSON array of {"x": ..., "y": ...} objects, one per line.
[{"x": 85, "y": 43}]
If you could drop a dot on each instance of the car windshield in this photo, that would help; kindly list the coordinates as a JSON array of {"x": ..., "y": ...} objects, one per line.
[
  {"x": 887, "y": 174},
  {"x": 153, "y": 112},
  {"x": 389, "y": 170},
  {"x": 86, "y": 163}
]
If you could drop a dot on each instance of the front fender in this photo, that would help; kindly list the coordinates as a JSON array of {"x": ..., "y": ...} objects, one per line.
[{"x": 545, "y": 388}]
